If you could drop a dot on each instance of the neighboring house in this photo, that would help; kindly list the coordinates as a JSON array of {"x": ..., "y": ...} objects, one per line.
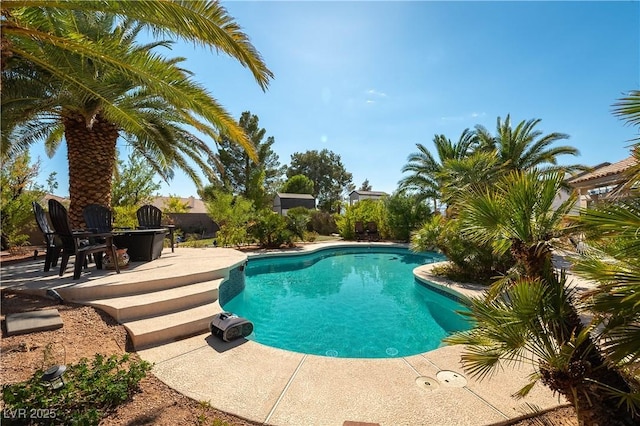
[
  {"x": 285, "y": 201},
  {"x": 194, "y": 221},
  {"x": 359, "y": 195},
  {"x": 602, "y": 182},
  {"x": 194, "y": 205}
]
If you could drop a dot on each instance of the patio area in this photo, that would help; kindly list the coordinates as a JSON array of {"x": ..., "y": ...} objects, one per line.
[{"x": 274, "y": 386}]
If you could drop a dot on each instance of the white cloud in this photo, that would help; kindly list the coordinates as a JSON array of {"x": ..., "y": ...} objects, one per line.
[
  {"x": 472, "y": 115},
  {"x": 374, "y": 92}
]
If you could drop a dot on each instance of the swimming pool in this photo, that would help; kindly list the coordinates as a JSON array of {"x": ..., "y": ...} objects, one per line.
[{"x": 346, "y": 302}]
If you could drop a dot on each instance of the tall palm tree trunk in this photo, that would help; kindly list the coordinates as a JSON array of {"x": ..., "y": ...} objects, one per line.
[{"x": 91, "y": 151}]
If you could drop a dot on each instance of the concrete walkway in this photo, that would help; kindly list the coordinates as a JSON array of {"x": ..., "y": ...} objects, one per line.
[{"x": 278, "y": 387}]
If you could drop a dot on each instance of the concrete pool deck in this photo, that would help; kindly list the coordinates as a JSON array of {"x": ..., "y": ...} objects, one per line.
[{"x": 278, "y": 387}]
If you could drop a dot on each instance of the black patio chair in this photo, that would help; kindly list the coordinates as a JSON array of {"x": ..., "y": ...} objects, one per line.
[
  {"x": 372, "y": 231},
  {"x": 79, "y": 243},
  {"x": 361, "y": 233},
  {"x": 150, "y": 217},
  {"x": 98, "y": 218},
  {"x": 53, "y": 245}
]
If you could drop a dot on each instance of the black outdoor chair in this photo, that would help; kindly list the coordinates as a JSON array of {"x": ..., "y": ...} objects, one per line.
[
  {"x": 150, "y": 217},
  {"x": 360, "y": 231},
  {"x": 81, "y": 243},
  {"x": 53, "y": 244},
  {"x": 372, "y": 231},
  {"x": 98, "y": 218}
]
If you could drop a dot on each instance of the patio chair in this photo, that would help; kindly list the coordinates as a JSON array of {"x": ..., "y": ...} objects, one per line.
[
  {"x": 361, "y": 233},
  {"x": 53, "y": 245},
  {"x": 372, "y": 231},
  {"x": 78, "y": 243},
  {"x": 98, "y": 218},
  {"x": 150, "y": 217}
]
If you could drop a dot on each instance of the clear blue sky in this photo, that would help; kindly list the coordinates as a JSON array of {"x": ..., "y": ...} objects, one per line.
[{"x": 369, "y": 80}]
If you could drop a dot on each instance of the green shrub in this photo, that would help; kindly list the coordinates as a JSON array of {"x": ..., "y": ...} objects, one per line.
[
  {"x": 310, "y": 236},
  {"x": 297, "y": 220},
  {"x": 363, "y": 211},
  {"x": 270, "y": 229},
  {"x": 475, "y": 261},
  {"x": 91, "y": 390},
  {"x": 323, "y": 223},
  {"x": 125, "y": 216},
  {"x": 17, "y": 191},
  {"x": 233, "y": 235},
  {"x": 233, "y": 214},
  {"x": 403, "y": 215}
]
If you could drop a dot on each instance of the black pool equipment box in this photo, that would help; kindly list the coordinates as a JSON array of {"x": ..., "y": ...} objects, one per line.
[{"x": 228, "y": 326}]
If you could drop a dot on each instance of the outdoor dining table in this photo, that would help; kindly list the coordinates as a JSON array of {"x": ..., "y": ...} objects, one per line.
[{"x": 142, "y": 245}]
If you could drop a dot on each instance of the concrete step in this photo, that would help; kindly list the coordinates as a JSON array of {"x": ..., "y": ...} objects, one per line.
[
  {"x": 171, "y": 326},
  {"x": 131, "y": 282},
  {"x": 128, "y": 308}
]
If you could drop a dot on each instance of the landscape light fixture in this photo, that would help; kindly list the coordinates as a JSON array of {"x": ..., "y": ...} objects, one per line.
[{"x": 53, "y": 377}]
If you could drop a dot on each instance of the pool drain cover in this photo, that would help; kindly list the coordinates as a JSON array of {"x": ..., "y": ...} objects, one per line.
[
  {"x": 392, "y": 351},
  {"x": 427, "y": 383},
  {"x": 332, "y": 353},
  {"x": 451, "y": 378}
]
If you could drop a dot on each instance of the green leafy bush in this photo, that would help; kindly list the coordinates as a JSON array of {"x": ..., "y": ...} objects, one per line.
[
  {"x": 403, "y": 215},
  {"x": 297, "y": 220},
  {"x": 233, "y": 214},
  {"x": 125, "y": 216},
  {"x": 323, "y": 223},
  {"x": 91, "y": 390},
  {"x": 17, "y": 191},
  {"x": 363, "y": 211},
  {"x": 270, "y": 229},
  {"x": 472, "y": 261}
]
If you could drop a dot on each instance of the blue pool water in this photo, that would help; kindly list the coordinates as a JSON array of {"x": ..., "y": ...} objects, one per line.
[{"x": 348, "y": 303}]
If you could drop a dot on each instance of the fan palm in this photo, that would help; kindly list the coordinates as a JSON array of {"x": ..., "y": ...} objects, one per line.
[
  {"x": 613, "y": 260},
  {"x": 532, "y": 321},
  {"x": 519, "y": 214},
  {"x": 525, "y": 148},
  {"x": 424, "y": 179},
  {"x": 535, "y": 316},
  {"x": 98, "y": 102}
]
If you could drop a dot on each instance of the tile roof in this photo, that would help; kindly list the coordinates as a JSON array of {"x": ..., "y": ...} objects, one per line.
[
  {"x": 195, "y": 205},
  {"x": 607, "y": 170},
  {"x": 375, "y": 193},
  {"x": 291, "y": 195}
]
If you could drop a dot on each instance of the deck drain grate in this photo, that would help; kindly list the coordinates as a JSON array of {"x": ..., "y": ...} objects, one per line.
[
  {"x": 451, "y": 378},
  {"x": 427, "y": 383}
]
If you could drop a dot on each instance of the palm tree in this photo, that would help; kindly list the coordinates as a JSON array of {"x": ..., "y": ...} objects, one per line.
[
  {"x": 425, "y": 168},
  {"x": 518, "y": 214},
  {"x": 203, "y": 22},
  {"x": 532, "y": 322},
  {"x": 524, "y": 148},
  {"x": 535, "y": 315},
  {"x": 98, "y": 102},
  {"x": 460, "y": 176},
  {"x": 613, "y": 260}
]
